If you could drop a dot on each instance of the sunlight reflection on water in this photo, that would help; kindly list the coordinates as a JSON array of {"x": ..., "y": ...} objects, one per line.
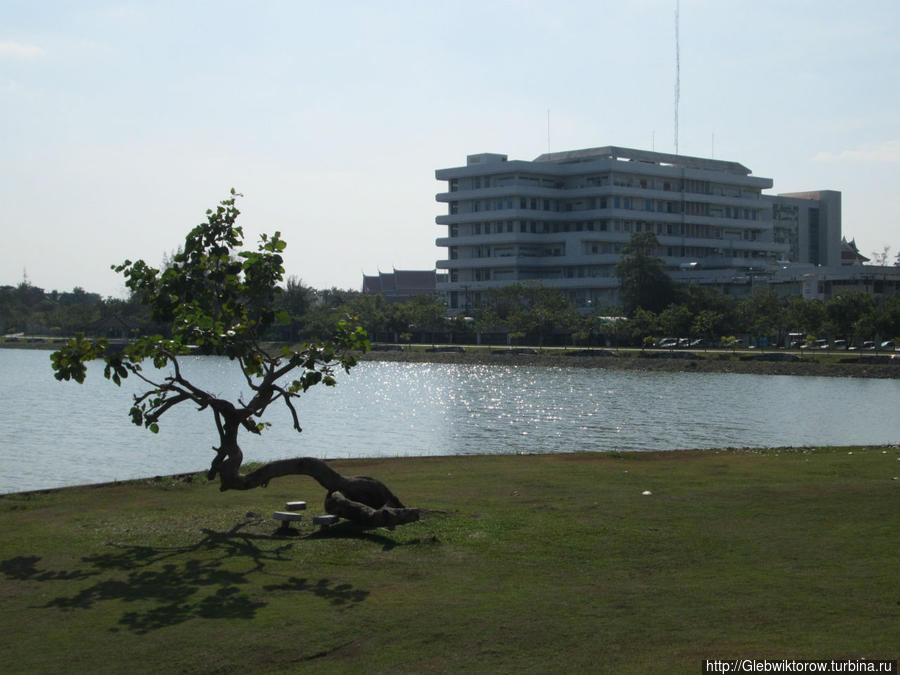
[{"x": 54, "y": 433}]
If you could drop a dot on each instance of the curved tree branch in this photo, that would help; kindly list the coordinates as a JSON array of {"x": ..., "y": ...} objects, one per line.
[{"x": 360, "y": 499}]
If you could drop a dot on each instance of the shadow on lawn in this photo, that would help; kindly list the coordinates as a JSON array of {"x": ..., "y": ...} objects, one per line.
[
  {"x": 348, "y": 530},
  {"x": 181, "y": 583}
]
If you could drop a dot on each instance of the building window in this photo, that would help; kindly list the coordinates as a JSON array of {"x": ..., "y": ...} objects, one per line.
[{"x": 814, "y": 236}]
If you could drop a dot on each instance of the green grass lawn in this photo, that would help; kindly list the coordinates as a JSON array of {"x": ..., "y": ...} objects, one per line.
[{"x": 534, "y": 564}]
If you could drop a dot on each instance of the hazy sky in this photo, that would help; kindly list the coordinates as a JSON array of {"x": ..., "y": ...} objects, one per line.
[{"x": 122, "y": 122}]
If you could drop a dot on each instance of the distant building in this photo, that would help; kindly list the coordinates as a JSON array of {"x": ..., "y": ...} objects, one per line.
[
  {"x": 402, "y": 285},
  {"x": 810, "y": 223},
  {"x": 563, "y": 219},
  {"x": 850, "y": 255}
]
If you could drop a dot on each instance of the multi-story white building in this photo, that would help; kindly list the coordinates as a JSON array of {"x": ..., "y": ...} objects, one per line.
[{"x": 563, "y": 219}]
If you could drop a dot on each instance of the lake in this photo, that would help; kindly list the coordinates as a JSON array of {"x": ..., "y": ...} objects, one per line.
[{"x": 61, "y": 433}]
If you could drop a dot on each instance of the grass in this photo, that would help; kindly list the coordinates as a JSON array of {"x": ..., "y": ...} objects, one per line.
[{"x": 534, "y": 564}]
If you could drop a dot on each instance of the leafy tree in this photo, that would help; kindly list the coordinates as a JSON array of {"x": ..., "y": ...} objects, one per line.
[
  {"x": 707, "y": 324},
  {"x": 845, "y": 311},
  {"x": 804, "y": 316},
  {"x": 424, "y": 312},
  {"x": 642, "y": 325},
  {"x": 761, "y": 313},
  {"x": 318, "y": 322},
  {"x": 222, "y": 299},
  {"x": 699, "y": 298},
  {"x": 886, "y": 317},
  {"x": 295, "y": 299},
  {"x": 527, "y": 310},
  {"x": 370, "y": 310},
  {"x": 675, "y": 320},
  {"x": 643, "y": 282}
]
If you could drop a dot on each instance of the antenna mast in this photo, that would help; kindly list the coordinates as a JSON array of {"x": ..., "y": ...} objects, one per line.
[
  {"x": 548, "y": 129},
  {"x": 677, "y": 73}
]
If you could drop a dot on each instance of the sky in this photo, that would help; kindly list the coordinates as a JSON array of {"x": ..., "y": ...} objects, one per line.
[{"x": 122, "y": 122}]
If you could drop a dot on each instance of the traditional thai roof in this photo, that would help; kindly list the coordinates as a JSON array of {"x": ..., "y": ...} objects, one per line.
[{"x": 850, "y": 254}]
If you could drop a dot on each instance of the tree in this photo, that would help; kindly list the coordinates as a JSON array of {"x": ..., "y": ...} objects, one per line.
[
  {"x": 844, "y": 313},
  {"x": 880, "y": 258},
  {"x": 222, "y": 300},
  {"x": 295, "y": 299},
  {"x": 642, "y": 325},
  {"x": 643, "y": 281},
  {"x": 675, "y": 320},
  {"x": 424, "y": 313},
  {"x": 533, "y": 311},
  {"x": 707, "y": 324},
  {"x": 805, "y": 316},
  {"x": 761, "y": 314}
]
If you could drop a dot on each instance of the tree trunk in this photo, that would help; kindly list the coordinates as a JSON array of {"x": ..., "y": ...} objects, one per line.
[{"x": 365, "y": 501}]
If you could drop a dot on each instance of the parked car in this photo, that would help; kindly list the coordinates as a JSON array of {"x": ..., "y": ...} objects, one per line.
[
  {"x": 888, "y": 345},
  {"x": 696, "y": 343},
  {"x": 667, "y": 343},
  {"x": 839, "y": 344}
]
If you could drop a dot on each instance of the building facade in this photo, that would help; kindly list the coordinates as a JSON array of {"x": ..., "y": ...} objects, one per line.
[
  {"x": 810, "y": 223},
  {"x": 563, "y": 219}
]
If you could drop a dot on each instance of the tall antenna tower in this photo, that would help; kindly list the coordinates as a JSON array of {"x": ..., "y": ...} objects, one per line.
[
  {"x": 548, "y": 129},
  {"x": 677, "y": 73}
]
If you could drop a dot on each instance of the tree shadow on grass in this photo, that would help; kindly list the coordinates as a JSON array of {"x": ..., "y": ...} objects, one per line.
[
  {"x": 171, "y": 585},
  {"x": 336, "y": 594},
  {"x": 348, "y": 530}
]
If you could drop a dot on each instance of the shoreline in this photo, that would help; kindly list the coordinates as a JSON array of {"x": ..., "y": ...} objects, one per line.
[
  {"x": 366, "y": 463},
  {"x": 671, "y": 362},
  {"x": 743, "y": 363}
]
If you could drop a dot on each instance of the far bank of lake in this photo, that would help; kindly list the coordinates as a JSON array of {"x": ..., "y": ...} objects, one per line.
[{"x": 834, "y": 364}]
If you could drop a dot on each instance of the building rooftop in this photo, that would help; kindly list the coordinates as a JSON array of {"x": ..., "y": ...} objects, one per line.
[{"x": 645, "y": 156}]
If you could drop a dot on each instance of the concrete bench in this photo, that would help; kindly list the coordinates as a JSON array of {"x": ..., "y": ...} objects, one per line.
[
  {"x": 286, "y": 518},
  {"x": 295, "y": 506},
  {"x": 325, "y": 521}
]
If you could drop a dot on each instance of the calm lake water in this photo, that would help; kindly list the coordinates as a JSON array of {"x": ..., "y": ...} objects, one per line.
[{"x": 60, "y": 433}]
